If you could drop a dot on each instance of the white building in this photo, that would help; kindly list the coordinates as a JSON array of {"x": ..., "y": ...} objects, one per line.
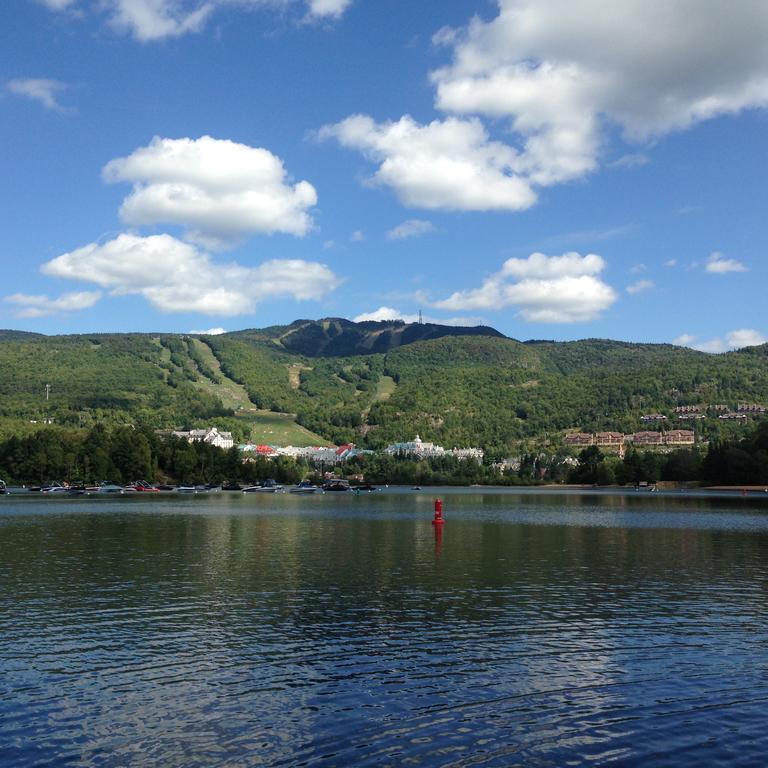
[
  {"x": 418, "y": 449},
  {"x": 211, "y": 436}
]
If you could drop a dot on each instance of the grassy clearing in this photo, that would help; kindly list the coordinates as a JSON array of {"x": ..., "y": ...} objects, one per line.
[
  {"x": 268, "y": 428},
  {"x": 385, "y": 388},
  {"x": 231, "y": 394},
  {"x": 263, "y": 427}
]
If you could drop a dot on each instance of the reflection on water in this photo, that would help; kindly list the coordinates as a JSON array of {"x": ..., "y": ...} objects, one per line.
[{"x": 535, "y": 629}]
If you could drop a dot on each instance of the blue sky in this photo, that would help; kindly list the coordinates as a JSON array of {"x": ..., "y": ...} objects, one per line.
[{"x": 557, "y": 169}]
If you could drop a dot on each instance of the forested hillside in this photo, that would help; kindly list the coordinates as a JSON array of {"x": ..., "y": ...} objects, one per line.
[{"x": 451, "y": 386}]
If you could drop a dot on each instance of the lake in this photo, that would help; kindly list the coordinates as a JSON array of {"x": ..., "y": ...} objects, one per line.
[{"x": 536, "y": 629}]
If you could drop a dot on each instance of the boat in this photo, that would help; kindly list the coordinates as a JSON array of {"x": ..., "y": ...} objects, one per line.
[
  {"x": 3, "y": 487},
  {"x": 142, "y": 486},
  {"x": 186, "y": 488},
  {"x": 366, "y": 487},
  {"x": 305, "y": 486},
  {"x": 106, "y": 486},
  {"x": 231, "y": 487},
  {"x": 49, "y": 489},
  {"x": 337, "y": 485},
  {"x": 268, "y": 486}
]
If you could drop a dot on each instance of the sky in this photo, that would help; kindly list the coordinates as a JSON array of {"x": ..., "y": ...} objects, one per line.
[{"x": 556, "y": 169}]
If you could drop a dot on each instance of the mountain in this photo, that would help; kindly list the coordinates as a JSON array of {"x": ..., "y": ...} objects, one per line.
[
  {"x": 337, "y": 337},
  {"x": 371, "y": 383}
]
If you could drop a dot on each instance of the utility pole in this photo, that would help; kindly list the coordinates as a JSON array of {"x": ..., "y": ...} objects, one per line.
[{"x": 47, "y": 392}]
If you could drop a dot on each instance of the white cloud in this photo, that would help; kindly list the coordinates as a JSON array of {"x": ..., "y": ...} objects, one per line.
[
  {"x": 717, "y": 264},
  {"x": 328, "y": 8},
  {"x": 684, "y": 340},
  {"x": 640, "y": 286},
  {"x": 210, "y": 332},
  {"x": 637, "y": 269},
  {"x": 670, "y": 263},
  {"x": 450, "y": 164},
  {"x": 219, "y": 189},
  {"x": 39, "y": 89},
  {"x": 558, "y": 70},
  {"x": 57, "y": 5},
  {"x": 42, "y": 306},
  {"x": 357, "y": 236},
  {"x": 411, "y": 228},
  {"x": 550, "y": 289},
  {"x": 633, "y": 160},
  {"x": 743, "y": 337},
  {"x": 388, "y": 313},
  {"x": 177, "y": 277},
  {"x": 153, "y": 20},
  {"x": 149, "y": 20}
]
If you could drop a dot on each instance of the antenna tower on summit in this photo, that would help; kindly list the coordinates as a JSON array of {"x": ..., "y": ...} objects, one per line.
[{"x": 421, "y": 321}]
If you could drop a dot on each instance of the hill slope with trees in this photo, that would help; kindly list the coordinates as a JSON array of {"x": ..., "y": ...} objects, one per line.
[{"x": 372, "y": 383}]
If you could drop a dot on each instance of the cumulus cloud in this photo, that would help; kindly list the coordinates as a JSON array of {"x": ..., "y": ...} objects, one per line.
[
  {"x": 449, "y": 164},
  {"x": 388, "y": 313},
  {"x": 42, "y": 306},
  {"x": 39, "y": 89},
  {"x": 743, "y": 337},
  {"x": 219, "y": 189},
  {"x": 684, "y": 340},
  {"x": 328, "y": 8},
  {"x": 717, "y": 264},
  {"x": 410, "y": 228},
  {"x": 177, "y": 277},
  {"x": 152, "y": 20},
  {"x": 558, "y": 70},
  {"x": 546, "y": 289},
  {"x": 149, "y": 20},
  {"x": 210, "y": 332},
  {"x": 640, "y": 286}
]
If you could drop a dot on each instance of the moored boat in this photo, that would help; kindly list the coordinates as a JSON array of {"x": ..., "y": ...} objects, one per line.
[
  {"x": 268, "y": 486},
  {"x": 305, "y": 486},
  {"x": 337, "y": 485},
  {"x": 3, "y": 487}
]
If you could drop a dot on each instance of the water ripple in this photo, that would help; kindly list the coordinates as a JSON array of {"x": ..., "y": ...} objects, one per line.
[{"x": 234, "y": 633}]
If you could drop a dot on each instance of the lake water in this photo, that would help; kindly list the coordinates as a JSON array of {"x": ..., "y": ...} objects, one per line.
[{"x": 537, "y": 629}]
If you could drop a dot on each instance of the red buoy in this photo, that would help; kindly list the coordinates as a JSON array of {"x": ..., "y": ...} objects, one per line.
[{"x": 438, "y": 512}]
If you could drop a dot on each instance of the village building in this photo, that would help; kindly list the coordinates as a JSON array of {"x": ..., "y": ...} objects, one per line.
[
  {"x": 646, "y": 438},
  {"x": 415, "y": 448},
  {"x": 579, "y": 439},
  {"x": 418, "y": 449},
  {"x": 680, "y": 437},
  {"x": 653, "y": 417},
  {"x": 751, "y": 409},
  {"x": 609, "y": 438},
  {"x": 210, "y": 436}
]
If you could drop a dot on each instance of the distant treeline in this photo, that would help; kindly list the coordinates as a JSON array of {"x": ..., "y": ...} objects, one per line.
[
  {"x": 124, "y": 454},
  {"x": 742, "y": 462}
]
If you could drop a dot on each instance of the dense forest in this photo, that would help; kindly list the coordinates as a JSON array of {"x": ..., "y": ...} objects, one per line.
[{"x": 374, "y": 384}]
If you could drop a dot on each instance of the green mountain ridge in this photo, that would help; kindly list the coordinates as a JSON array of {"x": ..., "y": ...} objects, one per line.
[{"x": 371, "y": 383}]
